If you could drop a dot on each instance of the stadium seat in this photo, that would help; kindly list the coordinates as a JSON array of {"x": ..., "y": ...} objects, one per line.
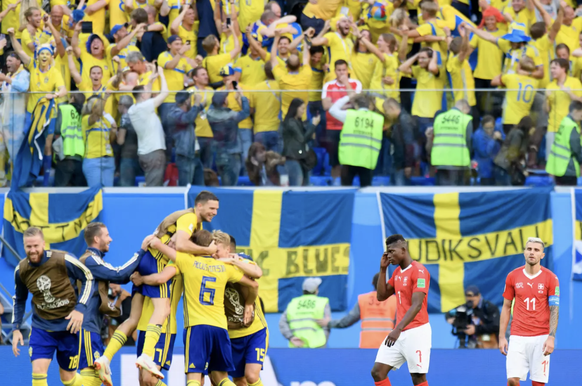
[
  {"x": 244, "y": 181},
  {"x": 320, "y": 152},
  {"x": 140, "y": 181},
  {"x": 320, "y": 180},
  {"x": 537, "y": 180},
  {"x": 422, "y": 181},
  {"x": 381, "y": 181},
  {"x": 326, "y": 165}
]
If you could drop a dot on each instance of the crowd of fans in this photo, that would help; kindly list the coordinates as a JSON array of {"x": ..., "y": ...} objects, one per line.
[{"x": 184, "y": 91}]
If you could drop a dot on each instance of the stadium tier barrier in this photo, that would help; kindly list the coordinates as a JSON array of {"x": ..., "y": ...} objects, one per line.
[
  {"x": 131, "y": 214},
  {"x": 327, "y": 367},
  {"x": 489, "y": 101}
]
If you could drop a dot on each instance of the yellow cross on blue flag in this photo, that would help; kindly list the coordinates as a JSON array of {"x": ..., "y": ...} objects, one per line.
[
  {"x": 462, "y": 238},
  {"x": 291, "y": 235},
  {"x": 61, "y": 216}
]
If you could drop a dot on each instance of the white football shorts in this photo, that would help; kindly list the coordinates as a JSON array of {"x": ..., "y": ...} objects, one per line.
[
  {"x": 526, "y": 354},
  {"x": 413, "y": 346}
]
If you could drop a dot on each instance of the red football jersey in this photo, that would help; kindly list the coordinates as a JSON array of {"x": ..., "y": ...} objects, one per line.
[
  {"x": 531, "y": 310},
  {"x": 336, "y": 91},
  {"x": 414, "y": 278}
]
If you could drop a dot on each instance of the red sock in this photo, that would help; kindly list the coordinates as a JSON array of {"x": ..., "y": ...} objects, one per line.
[
  {"x": 534, "y": 383},
  {"x": 385, "y": 382}
]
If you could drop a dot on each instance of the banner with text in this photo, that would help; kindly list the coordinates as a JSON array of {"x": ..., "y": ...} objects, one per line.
[
  {"x": 61, "y": 216},
  {"x": 464, "y": 237},
  {"x": 291, "y": 235}
]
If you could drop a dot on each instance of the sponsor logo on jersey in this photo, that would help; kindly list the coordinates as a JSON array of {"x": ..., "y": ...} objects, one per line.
[{"x": 530, "y": 284}]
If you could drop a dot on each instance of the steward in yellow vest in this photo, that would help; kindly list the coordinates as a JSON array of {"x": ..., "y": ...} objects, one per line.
[
  {"x": 566, "y": 154},
  {"x": 451, "y": 145},
  {"x": 360, "y": 138},
  {"x": 302, "y": 321}
]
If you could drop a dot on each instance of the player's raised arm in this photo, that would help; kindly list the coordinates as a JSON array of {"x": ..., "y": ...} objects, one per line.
[
  {"x": 384, "y": 289},
  {"x": 249, "y": 268},
  {"x": 503, "y": 322},
  {"x": 155, "y": 278}
]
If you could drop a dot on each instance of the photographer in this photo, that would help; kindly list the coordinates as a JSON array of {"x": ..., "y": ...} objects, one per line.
[{"x": 477, "y": 320}]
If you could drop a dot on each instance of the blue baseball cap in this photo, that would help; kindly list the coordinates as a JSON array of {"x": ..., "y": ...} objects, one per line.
[
  {"x": 173, "y": 38},
  {"x": 227, "y": 70},
  {"x": 117, "y": 27}
]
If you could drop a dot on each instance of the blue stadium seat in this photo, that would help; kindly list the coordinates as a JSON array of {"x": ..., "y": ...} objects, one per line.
[
  {"x": 326, "y": 165},
  {"x": 244, "y": 181},
  {"x": 381, "y": 181},
  {"x": 139, "y": 179},
  {"x": 320, "y": 180},
  {"x": 422, "y": 181},
  {"x": 320, "y": 152},
  {"x": 537, "y": 180}
]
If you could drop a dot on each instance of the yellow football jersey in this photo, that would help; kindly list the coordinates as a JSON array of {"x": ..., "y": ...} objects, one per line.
[
  {"x": 204, "y": 281},
  {"x": 187, "y": 223}
]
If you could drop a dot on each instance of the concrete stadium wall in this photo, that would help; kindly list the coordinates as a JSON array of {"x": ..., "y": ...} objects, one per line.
[{"x": 130, "y": 214}]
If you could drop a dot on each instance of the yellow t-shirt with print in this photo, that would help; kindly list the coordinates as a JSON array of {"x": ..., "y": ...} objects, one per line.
[
  {"x": 570, "y": 34},
  {"x": 175, "y": 76},
  {"x": 559, "y": 101},
  {"x": 427, "y": 103},
  {"x": 338, "y": 48},
  {"x": 512, "y": 55},
  {"x": 363, "y": 65},
  {"x": 202, "y": 126},
  {"x": 192, "y": 37},
  {"x": 518, "y": 97},
  {"x": 97, "y": 138},
  {"x": 205, "y": 279},
  {"x": 267, "y": 106},
  {"x": 213, "y": 64},
  {"x": 227, "y": 44},
  {"x": 98, "y": 18},
  {"x": 88, "y": 61},
  {"x": 462, "y": 79},
  {"x": 489, "y": 56},
  {"x": 43, "y": 82},
  {"x": 388, "y": 68},
  {"x": 252, "y": 70},
  {"x": 291, "y": 83},
  {"x": 117, "y": 13},
  {"x": 249, "y": 12}
]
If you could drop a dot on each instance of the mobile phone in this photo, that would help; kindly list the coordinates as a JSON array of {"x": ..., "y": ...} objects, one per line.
[
  {"x": 87, "y": 27},
  {"x": 228, "y": 21},
  {"x": 234, "y": 84},
  {"x": 189, "y": 42}
]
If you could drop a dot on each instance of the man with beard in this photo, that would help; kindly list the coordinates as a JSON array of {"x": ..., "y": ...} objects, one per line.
[
  {"x": 98, "y": 239},
  {"x": 339, "y": 44},
  {"x": 57, "y": 310}
]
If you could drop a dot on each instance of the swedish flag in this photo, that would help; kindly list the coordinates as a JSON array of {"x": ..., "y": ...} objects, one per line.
[
  {"x": 291, "y": 235},
  {"x": 30, "y": 155},
  {"x": 469, "y": 238},
  {"x": 61, "y": 216}
]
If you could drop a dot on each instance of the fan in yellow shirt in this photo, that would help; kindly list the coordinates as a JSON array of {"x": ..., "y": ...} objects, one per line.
[
  {"x": 521, "y": 11},
  {"x": 95, "y": 12},
  {"x": 250, "y": 11},
  {"x": 459, "y": 69},
  {"x": 124, "y": 43},
  {"x": 266, "y": 107},
  {"x": 33, "y": 35},
  {"x": 431, "y": 33},
  {"x": 339, "y": 45},
  {"x": 185, "y": 26},
  {"x": 175, "y": 69},
  {"x": 386, "y": 77},
  {"x": 205, "y": 280},
  {"x": 489, "y": 55},
  {"x": 363, "y": 61},
  {"x": 520, "y": 93},
  {"x": 251, "y": 67},
  {"x": 562, "y": 90},
  {"x": 91, "y": 54},
  {"x": 214, "y": 62},
  {"x": 9, "y": 15},
  {"x": 294, "y": 78},
  {"x": 204, "y": 133}
]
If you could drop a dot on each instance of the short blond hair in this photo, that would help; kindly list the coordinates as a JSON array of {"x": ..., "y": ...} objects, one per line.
[
  {"x": 221, "y": 238},
  {"x": 430, "y": 7}
]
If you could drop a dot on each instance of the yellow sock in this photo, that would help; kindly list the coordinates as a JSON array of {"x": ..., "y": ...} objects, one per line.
[
  {"x": 90, "y": 377},
  {"x": 115, "y": 343},
  {"x": 40, "y": 380},
  {"x": 226, "y": 382},
  {"x": 152, "y": 336},
  {"x": 77, "y": 381},
  {"x": 160, "y": 383},
  {"x": 257, "y": 383},
  {"x": 193, "y": 383}
]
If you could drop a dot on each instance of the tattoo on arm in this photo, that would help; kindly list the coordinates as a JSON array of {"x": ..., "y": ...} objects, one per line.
[{"x": 554, "y": 312}]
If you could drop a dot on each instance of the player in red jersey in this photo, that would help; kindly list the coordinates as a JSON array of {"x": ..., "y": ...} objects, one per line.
[
  {"x": 536, "y": 292},
  {"x": 410, "y": 341}
]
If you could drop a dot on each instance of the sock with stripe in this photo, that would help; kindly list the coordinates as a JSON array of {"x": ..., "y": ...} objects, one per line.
[
  {"x": 385, "y": 382},
  {"x": 77, "y": 381},
  {"x": 226, "y": 382},
  {"x": 257, "y": 383},
  {"x": 534, "y": 383},
  {"x": 193, "y": 383},
  {"x": 160, "y": 383},
  {"x": 152, "y": 336},
  {"x": 115, "y": 343},
  {"x": 39, "y": 379},
  {"x": 90, "y": 377}
]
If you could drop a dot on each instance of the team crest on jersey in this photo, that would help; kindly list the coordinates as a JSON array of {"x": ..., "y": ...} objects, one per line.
[
  {"x": 405, "y": 281},
  {"x": 541, "y": 286},
  {"x": 96, "y": 355},
  {"x": 519, "y": 285}
]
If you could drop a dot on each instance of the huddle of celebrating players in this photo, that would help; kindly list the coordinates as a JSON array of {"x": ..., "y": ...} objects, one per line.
[
  {"x": 180, "y": 257},
  {"x": 225, "y": 332}
]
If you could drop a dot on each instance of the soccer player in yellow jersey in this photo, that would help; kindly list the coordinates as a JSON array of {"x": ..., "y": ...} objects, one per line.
[
  {"x": 214, "y": 62},
  {"x": 206, "y": 340},
  {"x": 562, "y": 90},
  {"x": 520, "y": 93},
  {"x": 461, "y": 74},
  {"x": 339, "y": 45},
  {"x": 180, "y": 226},
  {"x": 249, "y": 342}
]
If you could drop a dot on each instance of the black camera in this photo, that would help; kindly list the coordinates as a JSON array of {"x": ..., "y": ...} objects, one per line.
[{"x": 462, "y": 319}]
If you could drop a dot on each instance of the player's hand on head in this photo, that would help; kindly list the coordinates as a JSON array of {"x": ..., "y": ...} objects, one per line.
[
  {"x": 503, "y": 346},
  {"x": 212, "y": 248},
  {"x": 75, "y": 319},
  {"x": 146, "y": 242},
  {"x": 16, "y": 337},
  {"x": 384, "y": 262}
]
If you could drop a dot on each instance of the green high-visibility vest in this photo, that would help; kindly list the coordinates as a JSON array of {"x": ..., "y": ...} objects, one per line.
[
  {"x": 71, "y": 131},
  {"x": 449, "y": 147},
  {"x": 561, "y": 154},
  {"x": 302, "y": 314},
  {"x": 361, "y": 139}
]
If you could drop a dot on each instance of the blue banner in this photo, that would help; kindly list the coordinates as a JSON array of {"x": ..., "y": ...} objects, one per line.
[
  {"x": 61, "y": 216},
  {"x": 577, "y": 249},
  {"x": 460, "y": 237},
  {"x": 291, "y": 235}
]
